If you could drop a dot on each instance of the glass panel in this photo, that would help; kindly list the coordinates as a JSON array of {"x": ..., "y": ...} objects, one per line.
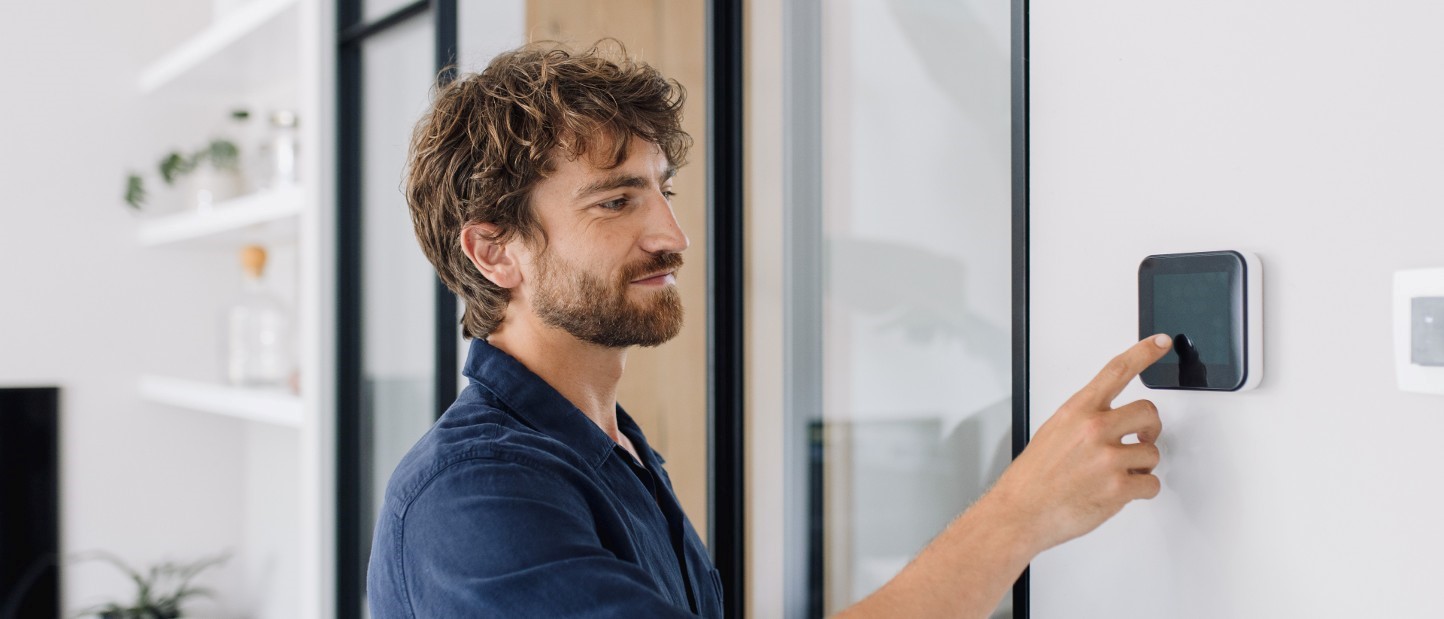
[
  {"x": 372, "y": 10},
  {"x": 915, "y": 312},
  {"x": 398, "y": 283},
  {"x": 485, "y": 29}
]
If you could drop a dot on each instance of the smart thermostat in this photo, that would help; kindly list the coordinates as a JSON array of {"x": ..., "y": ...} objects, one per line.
[
  {"x": 1419, "y": 330},
  {"x": 1211, "y": 303}
]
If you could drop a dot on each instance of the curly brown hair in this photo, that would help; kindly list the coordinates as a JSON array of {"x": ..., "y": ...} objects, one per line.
[{"x": 491, "y": 137}]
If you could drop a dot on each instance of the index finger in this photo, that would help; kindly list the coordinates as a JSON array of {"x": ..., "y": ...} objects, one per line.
[{"x": 1120, "y": 371}]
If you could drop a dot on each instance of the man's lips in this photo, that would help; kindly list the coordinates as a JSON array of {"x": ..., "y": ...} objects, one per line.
[{"x": 656, "y": 279}]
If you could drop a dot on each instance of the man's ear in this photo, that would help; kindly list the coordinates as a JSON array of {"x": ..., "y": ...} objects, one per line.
[{"x": 496, "y": 261}]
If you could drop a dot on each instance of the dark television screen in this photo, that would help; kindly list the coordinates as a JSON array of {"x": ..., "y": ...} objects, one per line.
[{"x": 29, "y": 502}]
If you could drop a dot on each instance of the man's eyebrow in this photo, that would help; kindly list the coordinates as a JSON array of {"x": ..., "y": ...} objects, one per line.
[{"x": 619, "y": 181}]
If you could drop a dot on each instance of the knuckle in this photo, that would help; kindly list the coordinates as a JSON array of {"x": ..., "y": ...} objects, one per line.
[
  {"x": 1116, "y": 459},
  {"x": 1152, "y": 486},
  {"x": 1095, "y": 426},
  {"x": 1118, "y": 485},
  {"x": 1117, "y": 369}
]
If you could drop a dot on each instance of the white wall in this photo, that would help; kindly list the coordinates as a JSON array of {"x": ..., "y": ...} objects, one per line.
[
  {"x": 1312, "y": 134},
  {"x": 83, "y": 307}
]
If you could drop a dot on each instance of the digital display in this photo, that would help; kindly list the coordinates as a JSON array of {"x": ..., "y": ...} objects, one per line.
[
  {"x": 1201, "y": 301},
  {"x": 1196, "y": 305}
]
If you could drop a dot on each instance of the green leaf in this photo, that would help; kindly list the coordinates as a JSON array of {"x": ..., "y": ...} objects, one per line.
[
  {"x": 174, "y": 165},
  {"x": 224, "y": 154},
  {"x": 134, "y": 191}
]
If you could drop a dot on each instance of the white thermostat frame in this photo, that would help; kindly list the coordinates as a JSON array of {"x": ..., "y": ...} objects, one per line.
[{"x": 1409, "y": 285}]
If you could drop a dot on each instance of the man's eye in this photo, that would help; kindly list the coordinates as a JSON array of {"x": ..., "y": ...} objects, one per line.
[
  {"x": 614, "y": 205},
  {"x": 668, "y": 194}
]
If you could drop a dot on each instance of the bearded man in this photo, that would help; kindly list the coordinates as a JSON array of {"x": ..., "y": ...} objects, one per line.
[{"x": 540, "y": 190}]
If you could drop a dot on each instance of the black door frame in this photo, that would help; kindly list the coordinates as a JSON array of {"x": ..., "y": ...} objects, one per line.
[
  {"x": 1018, "y": 65},
  {"x": 725, "y": 269},
  {"x": 353, "y": 450}
]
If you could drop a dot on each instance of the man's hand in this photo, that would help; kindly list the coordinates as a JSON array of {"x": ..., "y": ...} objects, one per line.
[
  {"x": 1074, "y": 475},
  {"x": 1076, "y": 472}
]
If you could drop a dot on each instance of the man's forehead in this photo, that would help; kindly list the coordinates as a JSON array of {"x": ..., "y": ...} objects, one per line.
[{"x": 599, "y": 162}]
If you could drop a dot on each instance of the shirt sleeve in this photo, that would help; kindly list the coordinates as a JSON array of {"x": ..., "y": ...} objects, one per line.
[{"x": 493, "y": 537}]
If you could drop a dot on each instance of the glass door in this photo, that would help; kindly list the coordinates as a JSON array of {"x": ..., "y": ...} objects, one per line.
[{"x": 898, "y": 282}]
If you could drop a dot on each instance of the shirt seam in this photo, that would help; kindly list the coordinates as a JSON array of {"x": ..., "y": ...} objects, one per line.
[
  {"x": 594, "y": 463},
  {"x": 481, "y": 453},
  {"x": 405, "y": 584}
]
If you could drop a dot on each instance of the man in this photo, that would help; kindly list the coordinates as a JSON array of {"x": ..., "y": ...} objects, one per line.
[{"x": 540, "y": 189}]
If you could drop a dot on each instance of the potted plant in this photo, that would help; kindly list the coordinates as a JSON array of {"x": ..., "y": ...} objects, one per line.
[
  {"x": 160, "y": 590},
  {"x": 216, "y": 170}
]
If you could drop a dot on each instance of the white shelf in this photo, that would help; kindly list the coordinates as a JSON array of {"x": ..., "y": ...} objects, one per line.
[
  {"x": 273, "y": 406},
  {"x": 262, "y": 217},
  {"x": 254, "y": 43}
]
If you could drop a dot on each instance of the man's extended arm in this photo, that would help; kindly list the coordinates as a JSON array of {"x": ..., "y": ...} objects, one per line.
[{"x": 1075, "y": 474}]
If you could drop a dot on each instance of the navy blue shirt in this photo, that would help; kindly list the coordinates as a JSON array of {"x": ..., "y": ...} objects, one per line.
[{"x": 515, "y": 504}]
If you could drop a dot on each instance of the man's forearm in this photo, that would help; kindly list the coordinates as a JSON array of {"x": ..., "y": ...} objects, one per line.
[{"x": 964, "y": 572}]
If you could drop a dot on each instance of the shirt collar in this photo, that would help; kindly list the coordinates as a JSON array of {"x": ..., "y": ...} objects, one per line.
[{"x": 542, "y": 407}]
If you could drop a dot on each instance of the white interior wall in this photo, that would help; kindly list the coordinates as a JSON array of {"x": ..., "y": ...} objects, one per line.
[
  {"x": 84, "y": 307},
  {"x": 1311, "y": 134}
]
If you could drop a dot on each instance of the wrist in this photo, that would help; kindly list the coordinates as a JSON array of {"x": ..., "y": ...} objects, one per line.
[{"x": 1015, "y": 520}]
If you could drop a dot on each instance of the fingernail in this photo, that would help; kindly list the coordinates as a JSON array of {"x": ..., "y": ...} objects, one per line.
[{"x": 1163, "y": 341}]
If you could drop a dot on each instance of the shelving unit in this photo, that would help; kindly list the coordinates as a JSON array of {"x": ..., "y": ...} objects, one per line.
[
  {"x": 265, "y": 54},
  {"x": 264, "y": 217},
  {"x": 252, "y": 45},
  {"x": 276, "y": 407}
]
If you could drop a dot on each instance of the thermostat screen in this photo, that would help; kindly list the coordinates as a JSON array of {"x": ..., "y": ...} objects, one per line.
[{"x": 1196, "y": 305}]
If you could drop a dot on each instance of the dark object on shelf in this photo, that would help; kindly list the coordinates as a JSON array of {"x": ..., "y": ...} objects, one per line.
[{"x": 29, "y": 502}]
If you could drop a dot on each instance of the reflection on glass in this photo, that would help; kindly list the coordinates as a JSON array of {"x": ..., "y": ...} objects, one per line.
[
  {"x": 397, "y": 403},
  {"x": 916, "y": 309},
  {"x": 372, "y": 10}
]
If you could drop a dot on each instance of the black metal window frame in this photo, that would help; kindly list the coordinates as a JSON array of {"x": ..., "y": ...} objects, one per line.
[
  {"x": 1018, "y": 70},
  {"x": 353, "y": 453},
  {"x": 725, "y": 269}
]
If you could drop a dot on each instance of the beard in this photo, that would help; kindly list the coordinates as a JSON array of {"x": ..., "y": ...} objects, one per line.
[{"x": 600, "y": 312}]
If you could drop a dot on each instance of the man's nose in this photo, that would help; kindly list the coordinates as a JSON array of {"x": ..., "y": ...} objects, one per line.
[{"x": 664, "y": 234}]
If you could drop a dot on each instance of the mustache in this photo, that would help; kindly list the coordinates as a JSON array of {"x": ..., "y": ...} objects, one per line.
[{"x": 658, "y": 262}]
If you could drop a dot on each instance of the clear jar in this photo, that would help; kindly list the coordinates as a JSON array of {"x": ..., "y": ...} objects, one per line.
[
  {"x": 259, "y": 350},
  {"x": 279, "y": 154}
]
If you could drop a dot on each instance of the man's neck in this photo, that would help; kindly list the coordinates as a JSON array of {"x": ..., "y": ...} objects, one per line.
[{"x": 584, "y": 373}]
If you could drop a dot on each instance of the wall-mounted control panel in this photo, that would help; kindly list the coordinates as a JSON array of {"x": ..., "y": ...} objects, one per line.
[
  {"x": 1419, "y": 330},
  {"x": 1212, "y": 305}
]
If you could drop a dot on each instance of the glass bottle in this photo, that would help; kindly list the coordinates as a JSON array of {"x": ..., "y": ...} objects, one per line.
[
  {"x": 258, "y": 331},
  {"x": 279, "y": 153}
]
